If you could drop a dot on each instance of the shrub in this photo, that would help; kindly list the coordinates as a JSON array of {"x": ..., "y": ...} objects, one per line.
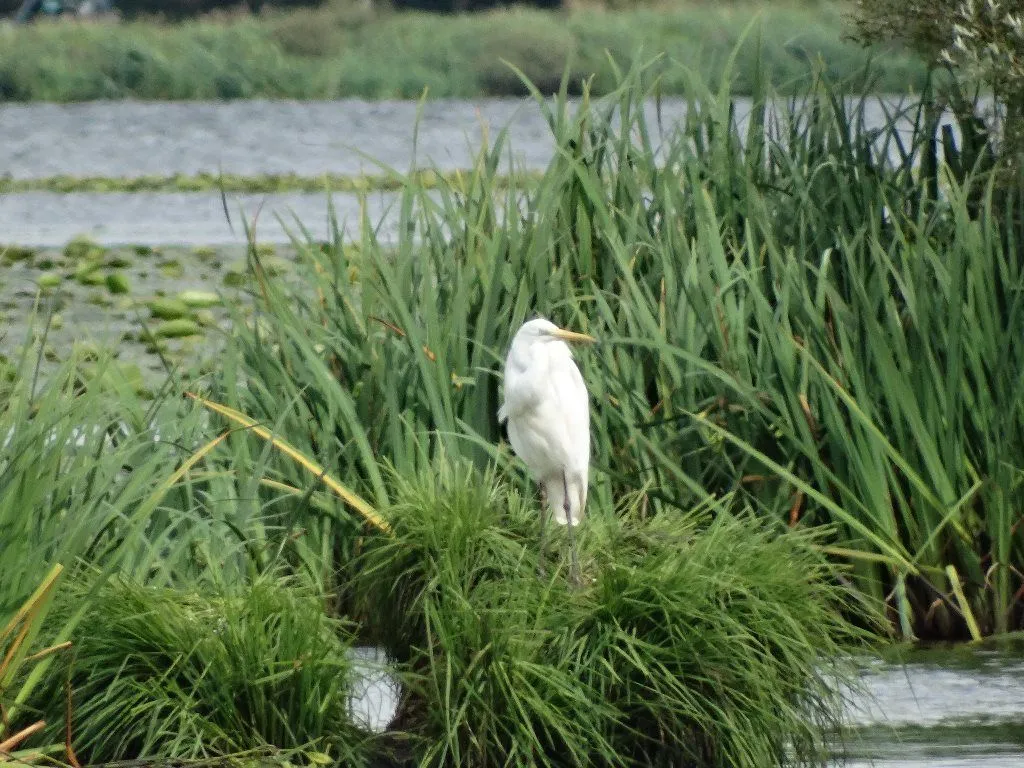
[
  {"x": 981, "y": 40},
  {"x": 192, "y": 673},
  {"x": 307, "y": 33},
  {"x": 529, "y": 42}
]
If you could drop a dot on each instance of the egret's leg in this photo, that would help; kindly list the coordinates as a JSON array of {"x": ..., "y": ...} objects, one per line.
[
  {"x": 542, "y": 571},
  {"x": 574, "y": 565}
]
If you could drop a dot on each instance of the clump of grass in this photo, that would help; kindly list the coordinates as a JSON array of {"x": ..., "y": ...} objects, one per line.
[
  {"x": 712, "y": 638},
  {"x": 188, "y": 673},
  {"x": 695, "y": 639}
]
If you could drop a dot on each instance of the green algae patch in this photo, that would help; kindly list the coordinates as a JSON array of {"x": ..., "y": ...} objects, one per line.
[{"x": 258, "y": 184}]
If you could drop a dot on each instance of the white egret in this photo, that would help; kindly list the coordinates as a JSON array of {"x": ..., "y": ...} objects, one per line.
[{"x": 548, "y": 415}]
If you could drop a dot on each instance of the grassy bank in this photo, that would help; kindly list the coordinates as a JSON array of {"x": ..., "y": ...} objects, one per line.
[{"x": 331, "y": 53}]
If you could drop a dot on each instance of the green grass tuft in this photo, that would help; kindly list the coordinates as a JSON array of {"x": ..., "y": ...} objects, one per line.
[
  {"x": 696, "y": 639},
  {"x": 186, "y": 674}
]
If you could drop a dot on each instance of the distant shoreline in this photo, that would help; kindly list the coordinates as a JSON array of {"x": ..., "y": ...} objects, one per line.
[{"x": 327, "y": 53}]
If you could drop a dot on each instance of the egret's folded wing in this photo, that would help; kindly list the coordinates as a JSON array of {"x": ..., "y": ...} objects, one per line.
[{"x": 574, "y": 415}]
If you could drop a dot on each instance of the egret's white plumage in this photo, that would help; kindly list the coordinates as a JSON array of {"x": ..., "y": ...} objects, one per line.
[{"x": 548, "y": 414}]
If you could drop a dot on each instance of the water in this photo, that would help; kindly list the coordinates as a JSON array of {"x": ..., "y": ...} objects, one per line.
[
  {"x": 941, "y": 709},
  {"x": 249, "y": 138},
  {"x": 119, "y": 138},
  {"x": 961, "y": 710},
  {"x": 50, "y": 219}
]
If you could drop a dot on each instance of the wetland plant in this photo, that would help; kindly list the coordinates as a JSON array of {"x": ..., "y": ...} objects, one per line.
[
  {"x": 189, "y": 672},
  {"x": 809, "y": 377},
  {"x": 817, "y": 318},
  {"x": 696, "y": 639}
]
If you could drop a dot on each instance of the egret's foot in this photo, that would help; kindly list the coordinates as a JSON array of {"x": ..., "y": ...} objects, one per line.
[{"x": 575, "y": 575}]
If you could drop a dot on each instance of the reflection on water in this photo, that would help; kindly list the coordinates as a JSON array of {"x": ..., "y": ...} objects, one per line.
[{"x": 958, "y": 708}]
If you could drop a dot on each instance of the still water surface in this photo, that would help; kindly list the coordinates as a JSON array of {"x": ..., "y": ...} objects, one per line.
[
  {"x": 250, "y": 138},
  {"x": 959, "y": 710}
]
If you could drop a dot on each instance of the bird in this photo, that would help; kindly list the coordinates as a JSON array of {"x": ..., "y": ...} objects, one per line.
[{"x": 546, "y": 411}]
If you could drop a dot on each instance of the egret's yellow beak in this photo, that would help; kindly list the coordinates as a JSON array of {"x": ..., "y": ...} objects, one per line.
[{"x": 564, "y": 335}]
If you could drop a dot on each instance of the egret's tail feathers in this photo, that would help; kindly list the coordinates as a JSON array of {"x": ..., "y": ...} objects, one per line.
[{"x": 555, "y": 490}]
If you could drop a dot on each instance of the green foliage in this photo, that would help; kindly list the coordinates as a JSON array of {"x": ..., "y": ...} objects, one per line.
[
  {"x": 77, "y": 468},
  {"x": 694, "y": 641},
  {"x": 17, "y": 638},
  {"x": 805, "y": 324},
  {"x": 185, "y": 674},
  {"x": 819, "y": 318},
  {"x": 331, "y": 53}
]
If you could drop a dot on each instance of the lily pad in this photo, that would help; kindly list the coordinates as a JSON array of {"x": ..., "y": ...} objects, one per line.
[
  {"x": 176, "y": 329},
  {"x": 199, "y": 298},
  {"x": 117, "y": 282},
  {"x": 49, "y": 280},
  {"x": 168, "y": 309}
]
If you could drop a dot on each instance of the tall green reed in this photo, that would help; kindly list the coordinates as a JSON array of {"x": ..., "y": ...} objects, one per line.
[{"x": 810, "y": 311}]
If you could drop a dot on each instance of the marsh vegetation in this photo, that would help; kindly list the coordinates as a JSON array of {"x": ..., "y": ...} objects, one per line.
[
  {"x": 346, "y": 51},
  {"x": 807, "y": 431}
]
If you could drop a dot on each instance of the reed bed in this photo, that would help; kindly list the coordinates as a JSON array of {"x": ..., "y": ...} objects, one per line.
[
  {"x": 816, "y": 318},
  {"x": 806, "y": 410}
]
